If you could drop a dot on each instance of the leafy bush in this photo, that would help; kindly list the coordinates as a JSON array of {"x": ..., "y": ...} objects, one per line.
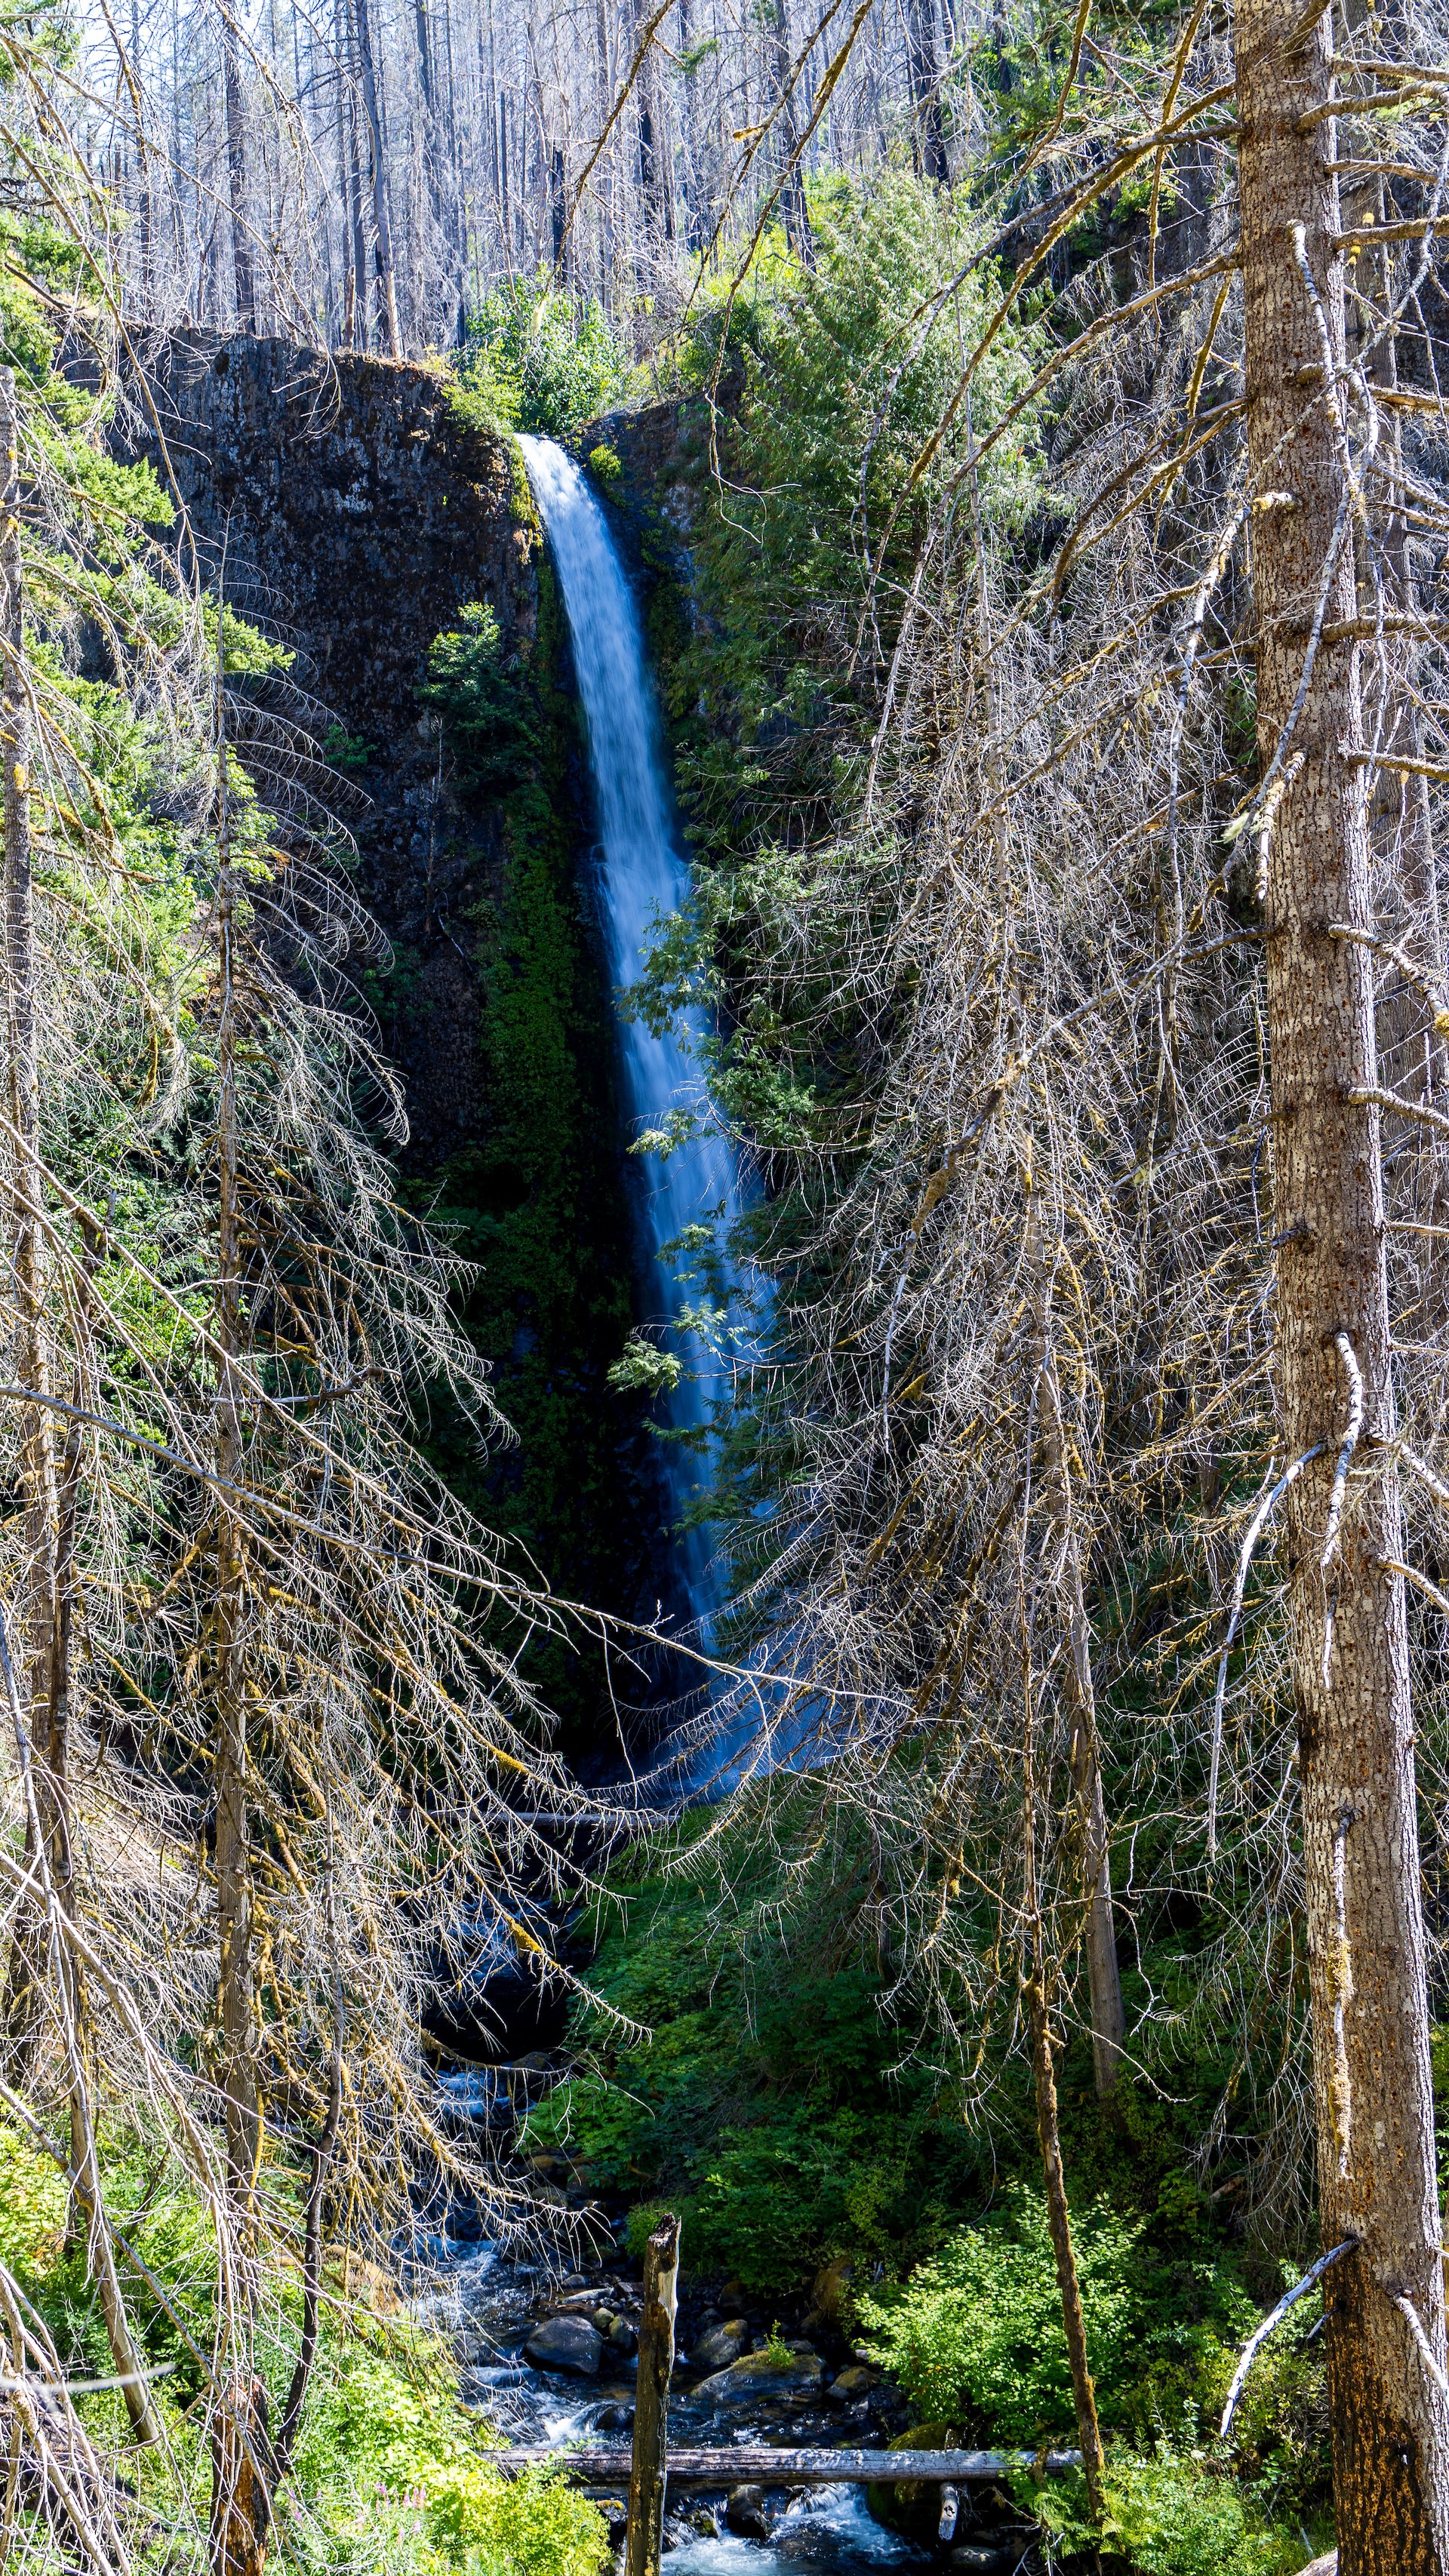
[
  {"x": 1167, "y": 2516},
  {"x": 391, "y": 2473},
  {"x": 780, "y": 2132},
  {"x": 643, "y": 1369},
  {"x": 540, "y": 360},
  {"x": 978, "y": 2331},
  {"x": 388, "y": 2473}
]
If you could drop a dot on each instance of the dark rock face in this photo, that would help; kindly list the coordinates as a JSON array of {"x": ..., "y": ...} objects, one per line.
[
  {"x": 565, "y": 2343},
  {"x": 745, "y": 2513},
  {"x": 352, "y": 514},
  {"x": 354, "y": 509}
]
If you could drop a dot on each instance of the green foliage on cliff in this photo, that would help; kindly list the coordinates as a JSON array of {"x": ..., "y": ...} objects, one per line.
[
  {"x": 535, "y": 1200},
  {"x": 486, "y": 699},
  {"x": 540, "y": 359},
  {"x": 847, "y": 372}
]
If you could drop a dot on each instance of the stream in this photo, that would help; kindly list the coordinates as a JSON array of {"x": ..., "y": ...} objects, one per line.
[{"x": 491, "y": 2306}]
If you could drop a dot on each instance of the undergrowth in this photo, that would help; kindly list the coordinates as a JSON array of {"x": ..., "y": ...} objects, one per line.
[{"x": 387, "y": 2475}]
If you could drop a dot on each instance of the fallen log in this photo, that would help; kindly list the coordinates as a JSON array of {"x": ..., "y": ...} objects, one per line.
[{"x": 759, "y": 2464}]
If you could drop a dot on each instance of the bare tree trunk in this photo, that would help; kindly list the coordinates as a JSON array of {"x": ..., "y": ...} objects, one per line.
[
  {"x": 386, "y": 279},
  {"x": 655, "y": 189},
  {"x": 236, "y": 174},
  {"x": 239, "y": 2498},
  {"x": 236, "y": 2001},
  {"x": 928, "y": 126},
  {"x": 794, "y": 210},
  {"x": 1048, "y": 2131},
  {"x": 1059, "y": 2221},
  {"x": 1350, "y": 1653},
  {"x": 647, "y": 2482},
  {"x": 45, "y": 1723},
  {"x": 1104, "y": 1981},
  {"x": 49, "y": 1525}
]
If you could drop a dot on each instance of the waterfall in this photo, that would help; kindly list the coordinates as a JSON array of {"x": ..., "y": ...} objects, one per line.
[{"x": 644, "y": 877}]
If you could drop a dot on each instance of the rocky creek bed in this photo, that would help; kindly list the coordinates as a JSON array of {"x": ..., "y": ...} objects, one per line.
[{"x": 553, "y": 2362}]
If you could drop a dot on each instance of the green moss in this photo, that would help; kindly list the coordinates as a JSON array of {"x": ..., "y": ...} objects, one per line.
[{"x": 536, "y": 1198}]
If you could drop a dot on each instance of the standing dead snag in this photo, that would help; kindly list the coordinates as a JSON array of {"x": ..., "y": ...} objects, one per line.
[
  {"x": 1349, "y": 1638},
  {"x": 40, "y": 1620},
  {"x": 656, "y": 2364},
  {"x": 1100, "y": 1938},
  {"x": 1059, "y": 2221},
  {"x": 44, "y": 1942}
]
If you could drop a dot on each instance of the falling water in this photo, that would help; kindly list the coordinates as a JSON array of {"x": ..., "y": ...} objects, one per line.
[{"x": 645, "y": 878}]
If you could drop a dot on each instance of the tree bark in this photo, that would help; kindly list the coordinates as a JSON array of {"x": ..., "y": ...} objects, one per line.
[
  {"x": 928, "y": 125},
  {"x": 1104, "y": 1982},
  {"x": 1060, "y": 2224},
  {"x": 794, "y": 207},
  {"x": 382, "y": 221},
  {"x": 236, "y": 179},
  {"x": 1349, "y": 1642},
  {"x": 651, "y": 2401},
  {"x": 240, "y": 2501},
  {"x": 23, "y": 1111},
  {"x": 235, "y": 1996}
]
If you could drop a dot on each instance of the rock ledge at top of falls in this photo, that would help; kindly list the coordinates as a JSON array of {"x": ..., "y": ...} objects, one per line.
[{"x": 760, "y": 2374}]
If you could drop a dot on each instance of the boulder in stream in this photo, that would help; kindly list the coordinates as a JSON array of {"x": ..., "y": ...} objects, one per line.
[
  {"x": 721, "y": 2345},
  {"x": 565, "y": 2343},
  {"x": 854, "y": 2381},
  {"x": 744, "y": 2513},
  {"x": 761, "y": 2374}
]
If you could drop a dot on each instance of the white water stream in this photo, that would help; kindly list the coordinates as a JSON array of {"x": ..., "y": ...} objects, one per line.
[{"x": 643, "y": 878}]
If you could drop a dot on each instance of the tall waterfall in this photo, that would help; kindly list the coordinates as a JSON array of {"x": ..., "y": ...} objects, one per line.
[{"x": 643, "y": 878}]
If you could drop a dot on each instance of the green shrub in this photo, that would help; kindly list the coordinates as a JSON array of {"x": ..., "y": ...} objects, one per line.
[
  {"x": 1167, "y": 2516},
  {"x": 389, "y": 2465},
  {"x": 540, "y": 360},
  {"x": 485, "y": 700},
  {"x": 785, "y": 2133},
  {"x": 641, "y": 2223},
  {"x": 978, "y": 2330}
]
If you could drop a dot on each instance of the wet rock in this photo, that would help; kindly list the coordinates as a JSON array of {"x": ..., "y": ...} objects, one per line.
[
  {"x": 828, "y": 2295},
  {"x": 850, "y": 2383},
  {"x": 745, "y": 2513},
  {"x": 615, "y": 2419},
  {"x": 912, "y": 2505},
  {"x": 980, "y": 2558},
  {"x": 565, "y": 2343},
  {"x": 760, "y": 2374},
  {"x": 721, "y": 2345},
  {"x": 622, "y": 2337}
]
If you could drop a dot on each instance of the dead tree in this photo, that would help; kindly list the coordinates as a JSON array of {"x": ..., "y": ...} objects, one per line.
[{"x": 1375, "y": 2114}]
